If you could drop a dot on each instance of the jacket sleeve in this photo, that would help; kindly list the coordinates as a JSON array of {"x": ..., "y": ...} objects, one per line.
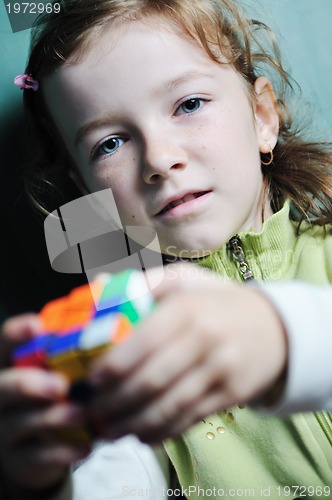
[{"x": 306, "y": 314}]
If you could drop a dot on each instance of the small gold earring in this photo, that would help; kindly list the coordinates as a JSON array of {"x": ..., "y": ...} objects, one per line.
[{"x": 266, "y": 163}]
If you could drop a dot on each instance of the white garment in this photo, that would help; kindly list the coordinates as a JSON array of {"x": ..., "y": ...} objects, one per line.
[
  {"x": 122, "y": 469},
  {"x": 306, "y": 312}
]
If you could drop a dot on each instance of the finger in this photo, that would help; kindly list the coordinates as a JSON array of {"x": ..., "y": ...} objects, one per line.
[
  {"x": 199, "y": 411},
  {"x": 21, "y": 425},
  {"x": 176, "y": 277},
  {"x": 157, "y": 374},
  {"x": 186, "y": 277},
  {"x": 17, "y": 330},
  {"x": 46, "y": 463},
  {"x": 181, "y": 405},
  {"x": 152, "y": 334},
  {"x": 20, "y": 327},
  {"x": 18, "y": 386},
  {"x": 56, "y": 454}
]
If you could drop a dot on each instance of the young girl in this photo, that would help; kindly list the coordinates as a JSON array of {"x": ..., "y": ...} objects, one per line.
[{"x": 169, "y": 104}]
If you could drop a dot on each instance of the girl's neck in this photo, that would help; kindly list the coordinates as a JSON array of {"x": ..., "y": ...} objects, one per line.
[{"x": 264, "y": 209}]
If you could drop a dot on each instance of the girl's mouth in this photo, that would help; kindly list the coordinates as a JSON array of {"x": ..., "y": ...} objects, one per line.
[{"x": 185, "y": 200}]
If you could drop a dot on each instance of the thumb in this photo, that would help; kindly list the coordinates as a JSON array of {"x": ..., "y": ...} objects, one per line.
[
  {"x": 15, "y": 331},
  {"x": 180, "y": 276}
]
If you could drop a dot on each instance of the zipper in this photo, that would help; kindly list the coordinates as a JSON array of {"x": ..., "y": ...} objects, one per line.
[
  {"x": 325, "y": 420},
  {"x": 235, "y": 247}
]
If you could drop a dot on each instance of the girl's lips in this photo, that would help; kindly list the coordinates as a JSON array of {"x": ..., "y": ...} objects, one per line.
[{"x": 184, "y": 205}]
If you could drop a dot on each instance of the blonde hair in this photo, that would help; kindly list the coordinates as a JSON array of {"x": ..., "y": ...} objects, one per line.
[{"x": 301, "y": 169}]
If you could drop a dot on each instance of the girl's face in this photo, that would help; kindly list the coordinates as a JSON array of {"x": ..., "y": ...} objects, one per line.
[{"x": 174, "y": 134}]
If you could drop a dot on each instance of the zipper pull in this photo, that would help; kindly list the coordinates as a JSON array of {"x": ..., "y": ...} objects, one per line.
[{"x": 235, "y": 247}]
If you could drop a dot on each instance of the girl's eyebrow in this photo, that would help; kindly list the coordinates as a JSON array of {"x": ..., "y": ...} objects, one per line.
[
  {"x": 90, "y": 127},
  {"x": 184, "y": 78}
]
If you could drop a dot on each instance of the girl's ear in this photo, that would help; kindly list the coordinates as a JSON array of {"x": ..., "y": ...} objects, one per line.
[
  {"x": 266, "y": 114},
  {"x": 77, "y": 179}
]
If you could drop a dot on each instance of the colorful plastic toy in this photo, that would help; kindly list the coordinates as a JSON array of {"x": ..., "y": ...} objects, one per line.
[
  {"x": 85, "y": 323},
  {"x": 82, "y": 325}
]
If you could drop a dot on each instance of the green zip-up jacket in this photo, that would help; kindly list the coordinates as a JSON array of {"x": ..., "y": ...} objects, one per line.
[{"x": 239, "y": 453}]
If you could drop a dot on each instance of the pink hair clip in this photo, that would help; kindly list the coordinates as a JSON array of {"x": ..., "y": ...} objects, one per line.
[{"x": 26, "y": 82}]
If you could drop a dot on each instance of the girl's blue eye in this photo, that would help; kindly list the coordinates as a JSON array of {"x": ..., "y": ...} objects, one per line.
[
  {"x": 190, "y": 105},
  {"x": 108, "y": 147}
]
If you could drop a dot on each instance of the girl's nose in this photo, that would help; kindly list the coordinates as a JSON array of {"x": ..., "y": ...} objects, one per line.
[{"x": 161, "y": 157}]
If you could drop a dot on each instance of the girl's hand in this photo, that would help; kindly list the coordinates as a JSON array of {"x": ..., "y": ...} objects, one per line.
[
  {"x": 32, "y": 411},
  {"x": 209, "y": 344}
]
